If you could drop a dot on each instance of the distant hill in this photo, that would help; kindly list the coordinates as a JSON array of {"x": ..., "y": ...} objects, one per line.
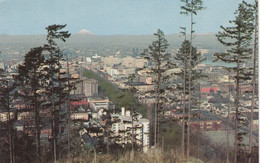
[
  {"x": 86, "y": 42},
  {"x": 206, "y": 41},
  {"x": 84, "y": 36}
]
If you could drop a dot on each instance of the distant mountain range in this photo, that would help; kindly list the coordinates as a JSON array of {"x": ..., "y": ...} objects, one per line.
[
  {"x": 207, "y": 41},
  {"x": 86, "y": 39}
]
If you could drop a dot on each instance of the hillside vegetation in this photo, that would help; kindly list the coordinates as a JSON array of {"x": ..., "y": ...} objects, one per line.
[{"x": 119, "y": 97}]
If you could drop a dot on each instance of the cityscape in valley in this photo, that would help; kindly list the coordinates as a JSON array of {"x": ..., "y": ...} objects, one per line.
[{"x": 157, "y": 97}]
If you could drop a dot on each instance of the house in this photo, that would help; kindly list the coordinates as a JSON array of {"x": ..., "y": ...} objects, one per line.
[
  {"x": 208, "y": 89},
  {"x": 204, "y": 120},
  {"x": 80, "y": 116},
  {"x": 142, "y": 87},
  {"x": 77, "y": 101},
  {"x": 97, "y": 102},
  {"x": 100, "y": 105},
  {"x": 46, "y": 131},
  {"x": 19, "y": 125},
  {"x": 245, "y": 88},
  {"x": 24, "y": 115},
  {"x": 18, "y": 104},
  {"x": 4, "y": 115}
]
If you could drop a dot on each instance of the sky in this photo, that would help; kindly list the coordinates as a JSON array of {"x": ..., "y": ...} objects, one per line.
[{"x": 111, "y": 17}]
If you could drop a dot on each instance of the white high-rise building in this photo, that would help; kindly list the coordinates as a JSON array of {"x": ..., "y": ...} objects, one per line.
[{"x": 124, "y": 128}]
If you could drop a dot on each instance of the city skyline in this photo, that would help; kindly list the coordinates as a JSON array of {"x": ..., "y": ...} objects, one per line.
[{"x": 111, "y": 17}]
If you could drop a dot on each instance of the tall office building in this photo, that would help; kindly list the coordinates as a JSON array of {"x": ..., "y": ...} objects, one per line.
[{"x": 90, "y": 87}]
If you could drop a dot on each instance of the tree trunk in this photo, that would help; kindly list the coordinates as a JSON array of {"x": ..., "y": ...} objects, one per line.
[
  {"x": 237, "y": 110},
  {"x": 37, "y": 131},
  {"x": 150, "y": 116},
  {"x": 162, "y": 143},
  {"x": 68, "y": 109},
  {"x": 183, "y": 114},
  {"x": 13, "y": 153},
  {"x": 54, "y": 127},
  {"x": 184, "y": 101},
  {"x": 9, "y": 128},
  {"x": 132, "y": 138},
  {"x": 227, "y": 147},
  {"x": 37, "y": 125},
  {"x": 189, "y": 111},
  {"x": 199, "y": 125},
  {"x": 157, "y": 108},
  {"x": 254, "y": 82},
  {"x": 53, "y": 105},
  {"x": 59, "y": 120},
  {"x": 155, "y": 125},
  {"x": 60, "y": 148}
]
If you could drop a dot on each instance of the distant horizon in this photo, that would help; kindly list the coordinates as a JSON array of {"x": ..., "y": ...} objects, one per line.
[{"x": 209, "y": 33}]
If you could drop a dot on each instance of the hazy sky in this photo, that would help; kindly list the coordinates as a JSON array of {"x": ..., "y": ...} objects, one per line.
[{"x": 110, "y": 17}]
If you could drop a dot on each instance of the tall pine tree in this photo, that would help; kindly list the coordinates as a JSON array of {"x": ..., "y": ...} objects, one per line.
[
  {"x": 181, "y": 58},
  {"x": 159, "y": 57},
  {"x": 6, "y": 96},
  {"x": 237, "y": 39},
  {"x": 255, "y": 52},
  {"x": 190, "y": 7},
  {"x": 31, "y": 85},
  {"x": 57, "y": 86}
]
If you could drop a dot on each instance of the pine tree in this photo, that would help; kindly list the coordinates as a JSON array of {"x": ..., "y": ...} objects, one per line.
[
  {"x": 159, "y": 57},
  {"x": 58, "y": 85},
  {"x": 133, "y": 91},
  {"x": 181, "y": 58},
  {"x": 31, "y": 84},
  {"x": 190, "y": 7},
  {"x": 185, "y": 52},
  {"x": 6, "y": 96},
  {"x": 237, "y": 38}
]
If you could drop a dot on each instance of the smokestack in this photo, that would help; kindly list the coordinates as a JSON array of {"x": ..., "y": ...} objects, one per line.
[{"x": 123, "y": 111}]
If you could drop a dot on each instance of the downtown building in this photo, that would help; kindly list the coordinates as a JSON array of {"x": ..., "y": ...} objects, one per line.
[
  {"x": 126, "y": 125},
  {"x": 88, "y": 87}
]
